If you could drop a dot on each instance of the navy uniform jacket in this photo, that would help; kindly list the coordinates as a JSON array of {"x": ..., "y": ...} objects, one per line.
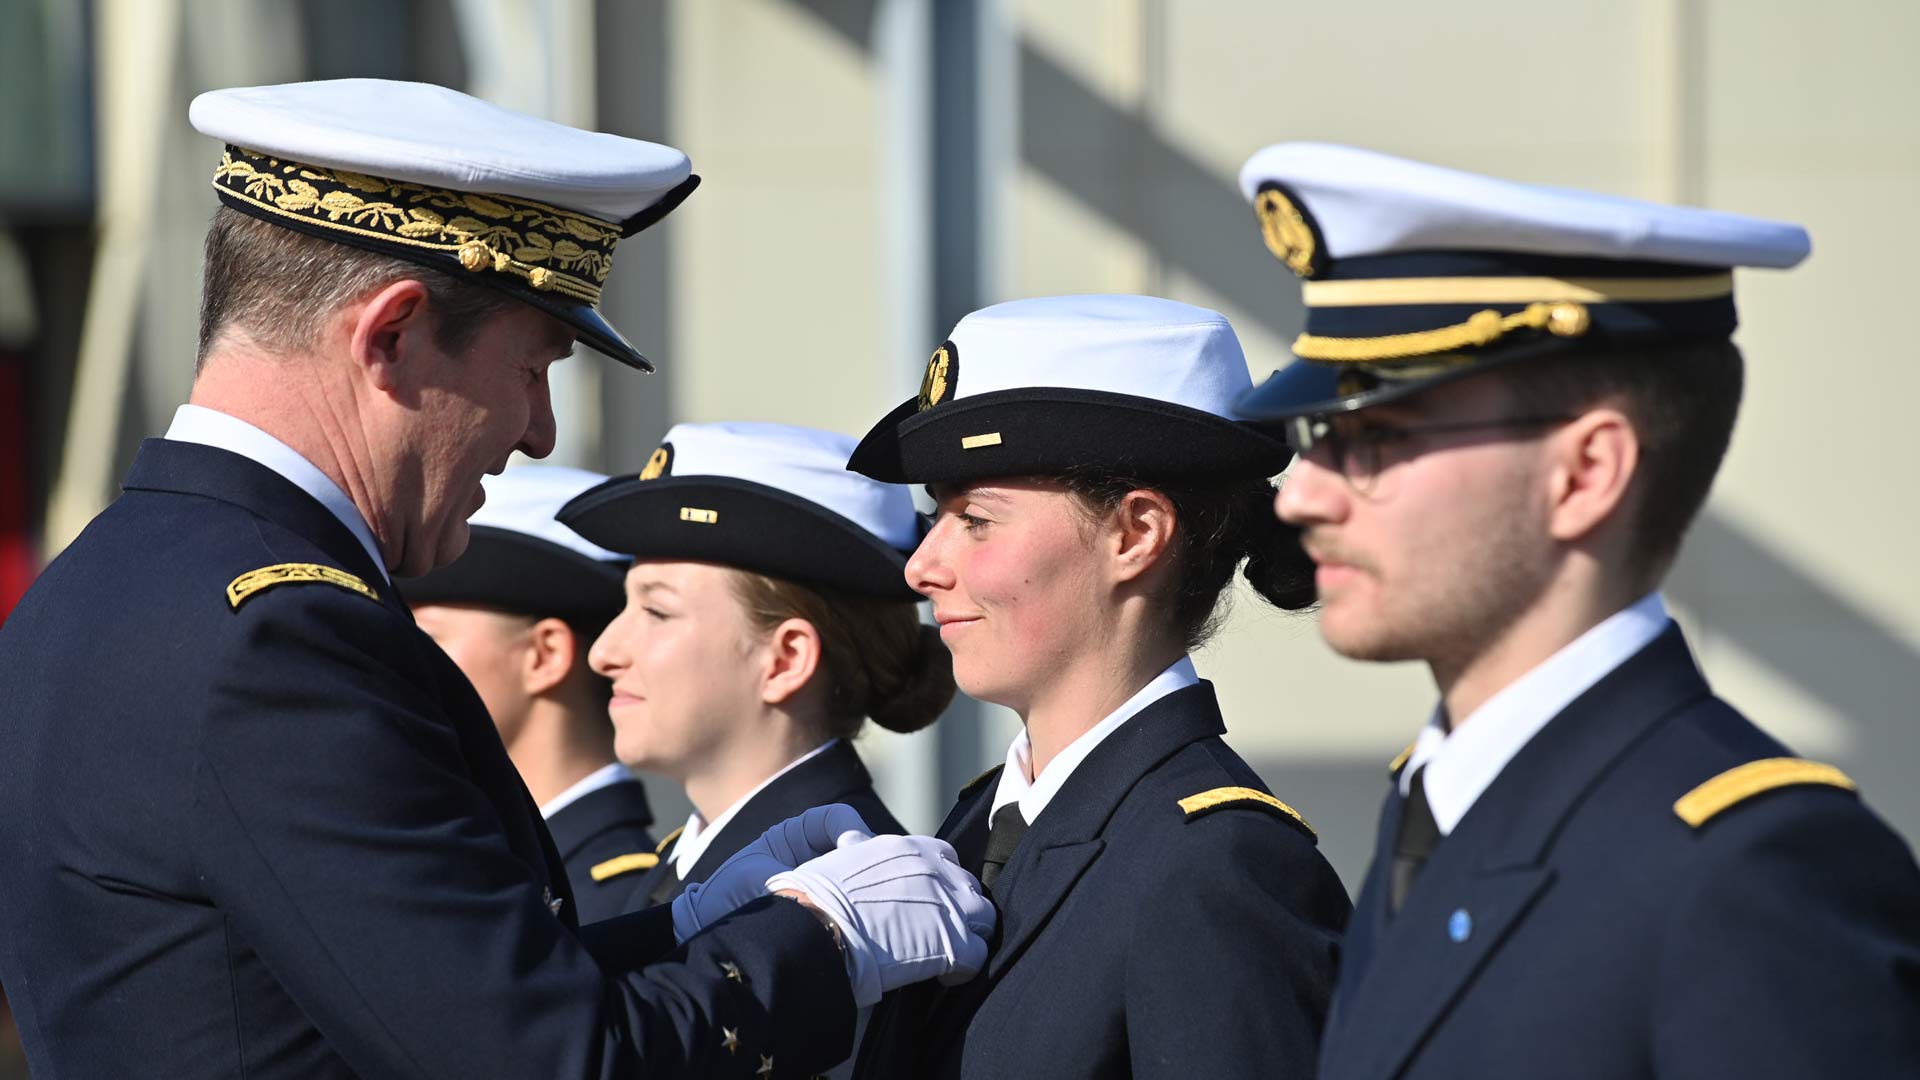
[
  {"x": 272, "y": 833},
  {"x": 598, "y": 835},
  {"x": 1137, "y": 938},
  {"x": 1573, "y": 925},
  {"x": 835, "y": 775}
]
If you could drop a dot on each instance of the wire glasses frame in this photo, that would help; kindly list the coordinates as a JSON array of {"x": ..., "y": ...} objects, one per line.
[{"x": 1358, "y": 453}]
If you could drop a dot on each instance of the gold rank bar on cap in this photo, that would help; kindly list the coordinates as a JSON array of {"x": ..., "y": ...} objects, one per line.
[{"x": 552, "y": 250}]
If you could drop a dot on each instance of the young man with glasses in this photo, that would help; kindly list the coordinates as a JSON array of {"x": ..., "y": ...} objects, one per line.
[{"x": 1510, "y": 403}]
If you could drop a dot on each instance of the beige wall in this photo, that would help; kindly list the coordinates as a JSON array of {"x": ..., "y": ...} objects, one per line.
[{"x": 1133, "y": 119}]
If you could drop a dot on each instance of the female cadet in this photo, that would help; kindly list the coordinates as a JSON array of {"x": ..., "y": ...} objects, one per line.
[
  {"x": 766, "y": 619},
  {"x": 1162, "y": 914}
]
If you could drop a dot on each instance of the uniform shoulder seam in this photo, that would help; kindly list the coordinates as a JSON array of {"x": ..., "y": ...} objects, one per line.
[{"x": 1743, "y": 782}]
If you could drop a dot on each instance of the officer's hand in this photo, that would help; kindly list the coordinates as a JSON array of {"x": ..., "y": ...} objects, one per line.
[
  {"x": 905, "y": 910},
  {"x": 744, "y": 877}
]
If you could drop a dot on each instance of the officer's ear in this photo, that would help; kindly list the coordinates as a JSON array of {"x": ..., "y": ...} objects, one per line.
[
  {"x": 553, "y": 651},
  {"x": 387, "y": 331},
  {"x": 1590, "y": 467},
  {"x": 792, "y": 657},
  {"x": 1139, "y": 534}
]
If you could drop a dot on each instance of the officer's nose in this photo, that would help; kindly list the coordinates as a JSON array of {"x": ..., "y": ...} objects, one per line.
[
  {"x": 605, "y": 656},
  {"x": 543, "y": 430},
  {"x": 1311, "y": 494}
]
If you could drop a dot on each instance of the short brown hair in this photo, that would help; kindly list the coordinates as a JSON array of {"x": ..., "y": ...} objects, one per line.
[
  {"x": 878, "y": 658},
  {"x": 1682, "y": 400},
  {"x": 1216, "y": 527},
  {"x": 281, "y": 285}
]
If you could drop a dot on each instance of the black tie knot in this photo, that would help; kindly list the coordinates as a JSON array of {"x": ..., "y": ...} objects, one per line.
[{"x": 1003, "y": 836}]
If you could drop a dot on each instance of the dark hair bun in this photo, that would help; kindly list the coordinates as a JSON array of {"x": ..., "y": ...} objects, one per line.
[
  {"x": 921, "y": 689},
  {"x": 1277, "y": 565}
]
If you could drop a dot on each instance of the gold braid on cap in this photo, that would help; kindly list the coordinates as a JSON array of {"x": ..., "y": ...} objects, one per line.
[
  {"x": 551, "y": 249},
  {"x": 1483, "y": 328}
]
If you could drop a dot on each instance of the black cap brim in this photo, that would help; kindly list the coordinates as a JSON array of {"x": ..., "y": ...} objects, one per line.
[
  {"x": 1047, "y": 431},
  {"x": 1306, "y": 388},
  {"x": 738, "y": 523},
  {"x": 524, "y": 575}
]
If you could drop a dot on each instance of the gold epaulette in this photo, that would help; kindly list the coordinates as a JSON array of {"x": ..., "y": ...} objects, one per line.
[
  {"x": 294, "y": 573},
  {"x": 1743, "y": 782},
  {"x": 1208, "y": 801},
  {"x": 624, "y": 864},
  {"x": 667, "y": 841},
  {"x": 1400, "y": 760}
]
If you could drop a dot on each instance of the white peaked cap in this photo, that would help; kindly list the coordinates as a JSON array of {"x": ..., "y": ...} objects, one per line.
[
  {"x": 1368, "y": 203},
  {"x": 525, "y": 498},
  {"x": 427, "y": 134}
]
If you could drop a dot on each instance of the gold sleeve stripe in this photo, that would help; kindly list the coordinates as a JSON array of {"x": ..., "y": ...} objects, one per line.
[
  {"x": 293, "y": 573},
  {"x": 624, "y": 864},
  {"x": 667, "y": 841},
  {"x": 1208, "y": 800},
  {"x": 1515, "y": 290},
  {"x": 1697, "y": 807}
]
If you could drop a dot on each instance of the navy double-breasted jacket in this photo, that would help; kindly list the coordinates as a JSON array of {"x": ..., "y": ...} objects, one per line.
[
  {"x": 1139, "y": 937},
  {"x": 1575, "y": 924},
  {"x": 254, "y": 823},
  {"x": 835, "y": 775}
]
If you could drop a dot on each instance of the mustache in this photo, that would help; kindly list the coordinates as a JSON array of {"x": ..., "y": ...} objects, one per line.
[{"x": 1322, "y": 548}]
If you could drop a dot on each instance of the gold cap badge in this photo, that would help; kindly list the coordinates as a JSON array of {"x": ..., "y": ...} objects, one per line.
[
  {"x": 943, "y": 373},
  {"x": 1289, "y": 233}
]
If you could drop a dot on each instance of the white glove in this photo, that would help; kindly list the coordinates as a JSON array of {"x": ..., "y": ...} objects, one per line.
[
  {"x": 743, "y": 877},
  {"x": 905, "y": 909}
]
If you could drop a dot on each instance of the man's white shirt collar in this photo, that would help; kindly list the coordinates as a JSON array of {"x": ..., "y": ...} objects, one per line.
[
  {"x": 698, "y": 833},
  {"x": 605, "y": 776},
  {"x": 1461, "y": 764},
  {"x": 1034, "y": 795},
  {"x": 208, "y": 427}
]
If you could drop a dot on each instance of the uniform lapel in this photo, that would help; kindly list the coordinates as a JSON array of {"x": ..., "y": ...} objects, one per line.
[
  {"x": 1059, "y": 847},
  {"x": 1482, "y": 880}
]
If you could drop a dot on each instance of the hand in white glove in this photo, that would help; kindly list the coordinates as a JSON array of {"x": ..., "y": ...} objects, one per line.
[
  {"x": 905, "y": 909},
  {"x": 744, "y": 877}
]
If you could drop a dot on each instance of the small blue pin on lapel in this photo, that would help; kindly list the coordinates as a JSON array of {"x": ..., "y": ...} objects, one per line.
[{"x": 1459, "y": 925}]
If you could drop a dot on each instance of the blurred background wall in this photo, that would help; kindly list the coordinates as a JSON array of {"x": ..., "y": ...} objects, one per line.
[{"x": 876, "y": 168}]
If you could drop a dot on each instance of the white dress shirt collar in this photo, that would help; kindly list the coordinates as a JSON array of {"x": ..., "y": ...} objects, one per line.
[
  {"x": 605, "y": 776},
  {"x": 699, "y": 833},
  {"x": 198, "y": 424},
  {"x": 1034, "y": 794},
  {"x": 1461, "y": 764}
]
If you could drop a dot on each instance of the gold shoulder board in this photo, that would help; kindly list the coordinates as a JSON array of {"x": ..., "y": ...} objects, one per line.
[
  {"x": 1400, "y": 760},
  {"x": 293, "y": 573},
  {"x": 624, "y": 864},
  {"x": 1209, "y": 801},
  {"x": 667, "y": 841},
  {"x": 1743, "y": 782}
]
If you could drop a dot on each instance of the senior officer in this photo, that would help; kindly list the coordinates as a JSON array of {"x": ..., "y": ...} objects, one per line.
[
  {"x": 1509, "y": 404},
  {"x": 517, "y": 612},
  {"x": 253, "y": 821}
]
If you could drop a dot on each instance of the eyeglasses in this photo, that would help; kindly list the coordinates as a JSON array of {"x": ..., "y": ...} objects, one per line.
[{"x": 1361, "y": 453}]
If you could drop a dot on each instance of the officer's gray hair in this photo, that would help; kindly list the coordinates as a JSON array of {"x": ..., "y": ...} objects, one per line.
[{"x": 280, "y": 286}]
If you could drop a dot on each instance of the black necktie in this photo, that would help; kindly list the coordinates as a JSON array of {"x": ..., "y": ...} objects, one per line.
[
  {"x": 1002, "y": 837},
  {"x": 1419, "y": 835}
]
